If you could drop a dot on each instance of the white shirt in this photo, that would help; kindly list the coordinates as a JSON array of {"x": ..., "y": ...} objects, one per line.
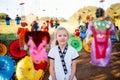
[{"x": 70, "y": 55}]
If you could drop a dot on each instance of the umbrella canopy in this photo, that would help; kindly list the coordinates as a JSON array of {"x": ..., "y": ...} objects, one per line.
[
  {"x": 76, "y": 43},
  {"x": 3, "y": 49},
  {"x": 87, "y": 46},
  {"x": 7, "y": 67},
  {"x": 15, "y": 51}
]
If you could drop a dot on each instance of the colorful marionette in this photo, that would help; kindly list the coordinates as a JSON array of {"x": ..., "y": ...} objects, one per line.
[
  {"x": 56, "y": 23},
  {"x": 38, "y": 54},
  {"x": 77, "y": 33},
  {"x": 34, "y": 26},
  {"x": 47, "y": 22},
  {"x": 37, "y": 48},
  {"x": 25, "y": 70},
  {"x": 44, "y": 27},
  {"x": 101, "y": 47},
  {"x": 17, "y": 19},
  {"x": 7, "y": 19},
  {"x": 51, "y": 23},
  {"x": 21, "y": 33},
  {"x": 82, "y": 34}
]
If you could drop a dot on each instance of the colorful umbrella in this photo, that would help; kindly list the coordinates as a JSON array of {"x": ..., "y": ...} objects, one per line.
[
  {"x": 15, "y": 51},
  {"x": 87, "y": 46},
  {"x": 76, "y": 43},
  {"x": 7, "y": 67},
  {"x": 3, "y": 49}
]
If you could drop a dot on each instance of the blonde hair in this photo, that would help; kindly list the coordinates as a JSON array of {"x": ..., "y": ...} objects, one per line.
[{"x": 55, "y": 42}]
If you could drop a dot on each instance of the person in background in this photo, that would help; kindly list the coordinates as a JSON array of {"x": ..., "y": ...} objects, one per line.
[
  {"x": 17, "y": 19},
  {"x": 101, "y": 48},
  {"x": 21, "y": 33},
  {"x": 7, "y": 19},
  {"x": 62, "y": 57}
]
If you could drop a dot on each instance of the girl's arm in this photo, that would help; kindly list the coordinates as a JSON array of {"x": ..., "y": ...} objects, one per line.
[
  {"x": 52, "y": 71},
  {"x": 73, "y": 70}
]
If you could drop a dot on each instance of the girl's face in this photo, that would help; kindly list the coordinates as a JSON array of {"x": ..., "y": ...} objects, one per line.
[{"x": 62, "y": 37}]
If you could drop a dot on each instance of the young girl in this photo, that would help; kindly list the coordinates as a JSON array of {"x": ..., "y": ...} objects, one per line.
[{"x": 62, "y": 57}]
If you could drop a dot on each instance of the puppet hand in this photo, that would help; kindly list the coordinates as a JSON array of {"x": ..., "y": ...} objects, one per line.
[{"x": 25, "y": 47}]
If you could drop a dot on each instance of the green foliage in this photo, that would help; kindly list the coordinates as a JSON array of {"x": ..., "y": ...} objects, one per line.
[
  {"x": 8, "y": 37},
  {"x": 2, "y": 15}
]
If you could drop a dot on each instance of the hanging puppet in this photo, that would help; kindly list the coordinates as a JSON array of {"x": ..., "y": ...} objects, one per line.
[
  {"x": 101, "y": 47},
  {"x": 37, "y": 43}
]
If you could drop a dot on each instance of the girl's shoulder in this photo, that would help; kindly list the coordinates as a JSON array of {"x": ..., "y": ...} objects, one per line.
[
  {"x": 54, "y": 48},
  {"x": 71, "y": 48}
]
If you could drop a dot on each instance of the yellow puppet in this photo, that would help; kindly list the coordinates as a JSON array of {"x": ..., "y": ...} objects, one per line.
[{"x": 25, "y": 70}]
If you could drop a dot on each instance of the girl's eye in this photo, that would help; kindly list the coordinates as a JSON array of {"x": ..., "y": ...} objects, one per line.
[
  {"x": 65, "y": 35},
  {"x": 59, "y": 35},
  {"x": 62, "y": 35}
]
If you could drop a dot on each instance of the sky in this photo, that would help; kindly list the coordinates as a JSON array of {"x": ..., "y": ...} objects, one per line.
[{"x": 57, "y": 8}]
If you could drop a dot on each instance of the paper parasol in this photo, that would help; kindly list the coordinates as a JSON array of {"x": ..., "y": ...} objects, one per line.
[
  {"x": 3, "y": 49},
  {"x": 15, "y": 51},
  {"x": 87, "y": 46},
  {"x": 7, "y": 67},
  {"x": 76, "y": 43}
]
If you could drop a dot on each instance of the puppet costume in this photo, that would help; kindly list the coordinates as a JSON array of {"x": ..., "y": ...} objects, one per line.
[
  {"x": 21, "y": 33},
  {"x": 38, "y": 54},
  {"x": 101, "y": 47},
  {"x": 37, "y": 43}
]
